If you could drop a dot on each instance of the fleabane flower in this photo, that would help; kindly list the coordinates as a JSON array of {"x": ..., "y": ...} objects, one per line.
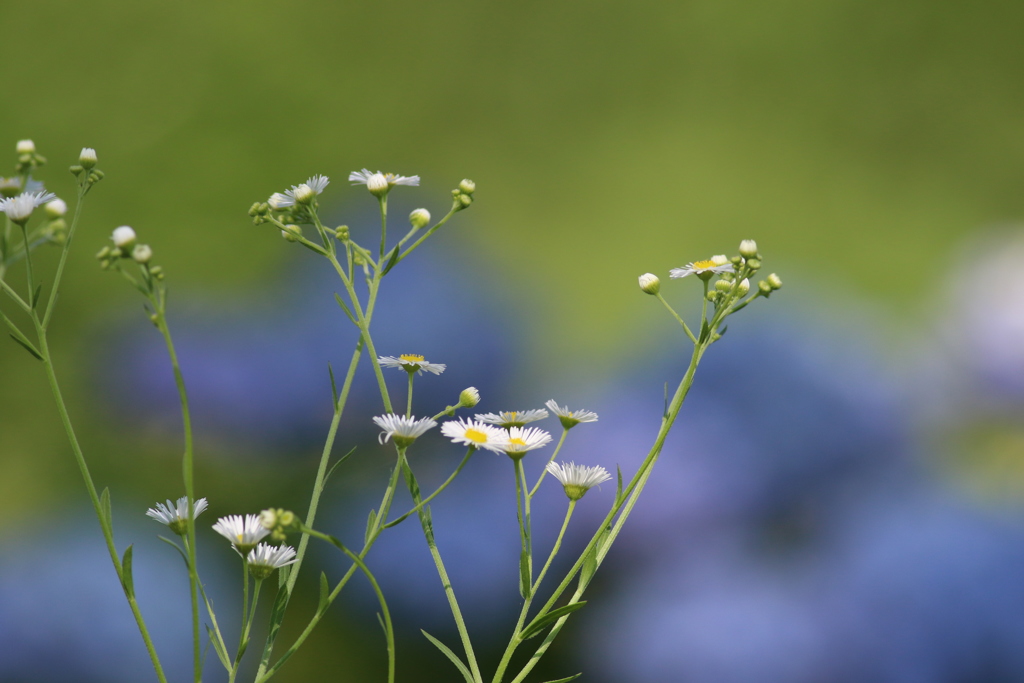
[
  {"x": 521, "y": 440},
  {"x": 380, "y": 183},
  {"x": 570, "y": 418},
  {"x": 577, "y": 479},
  {"x": 175, "y": 515},
  {"x": 265, "y": 558},
  {"x": 19, "y": 208},
  {"x": 704, "y": 269},
  {"x": 404, "y": 430},
  {"x": 243, "y": 532},
  {"x": 513, "y": 418},
  {"x": 476, "y": 434},
  {"x": 411, "y": 362},
  {"x": 302, "y": 193}
]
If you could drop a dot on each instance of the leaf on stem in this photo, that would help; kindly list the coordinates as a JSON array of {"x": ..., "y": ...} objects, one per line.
[
  {"x": 540, "y": 623},
  {"x": 567, "y": 678},
  {"x": 335, "y": 466},
  {"x": 282, "y": 575},
  {"x": 392, "y": 260},
  {"x": 126, "y": 573},
  {"x": 325, "y": 594},
  {"x": 334, "y": 385},
  {"x": 27, "y": 346},
  {"x": 176, "y": 547},
  {"x": 345, "y": 308},
  {"x": 218, "y": 647},
  {"x": 618, "y": 486},
  {"x": 369, "y": 525},
  {"x": 105, "y": 508},
  {"x": 35, "y": 296},
  {"x": 525, "y": 580},
  {"x": 463, "y": 669}
]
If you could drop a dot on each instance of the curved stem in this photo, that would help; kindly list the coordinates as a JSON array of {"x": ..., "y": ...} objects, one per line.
[
  {"x": 678, "y": 319},
  {"x": 442, "y": 487},
  {"x": 557, "y": 546},
  {"x": 554, "y": 455},
  {"x": 52, "y": 301}
]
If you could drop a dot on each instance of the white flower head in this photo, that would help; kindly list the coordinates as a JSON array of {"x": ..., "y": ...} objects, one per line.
[
  {"x": 411, "y": 362},
  {"x": 142, "y": 253},
  {"x": 123, "y": 237},
  {"x": 302, "y": 193},
  {"x": 570, "y": 418},
  {"x": 704, "y": 269},
  {"x": 476, "y": 434},
  {"x": 403, "y": 429},
  {"x": 175, "y": 515},
  {"x": 87, "y": 158},
  {"x": 380, "y": 183},
  {"x": 513, "y": 418},
  {"x": 265, "y": 558},
  {"x": 243, "y": 532},
  {"x": 56, "y": 208},
  {"x": 522, "y": 440},
  {"x": 25, "y": 147},
  {"x": 419, "y": 218},
  {"x": 774, "y": 281},
  {"x": 19, "y": 208},
  {"x": 748, "y": 249},
  {"x": 577, "y": 479},
  {"x": 650, "y": 283}
]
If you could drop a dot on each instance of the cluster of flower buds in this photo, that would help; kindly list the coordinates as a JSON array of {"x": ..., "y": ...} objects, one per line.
[
  {"x": 28, "y": 157},
  {"x": 280, "y": 523},
  {"x": 56, "y": 228},
  {"x": 463, "y": 195},
  {"x": 85, "y": 170},
  {"x": 125, "y": 246}
]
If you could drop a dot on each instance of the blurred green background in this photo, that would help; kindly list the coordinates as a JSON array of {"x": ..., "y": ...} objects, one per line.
[{"x": 858, "y": 142}]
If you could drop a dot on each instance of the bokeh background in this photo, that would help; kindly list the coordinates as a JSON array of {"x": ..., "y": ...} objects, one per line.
[{"x": 841, "y": 498}]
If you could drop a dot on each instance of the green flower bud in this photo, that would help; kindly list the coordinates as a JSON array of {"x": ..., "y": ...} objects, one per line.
[
  {"x": 649, "y": 283},
  {"x": 469, "y": 397},
  {"x": 87, "y": 158},
  {"x": 764, "y": 288},
  {"x": 753, "y": 264},
  {"x": 723, "y": 285},
  {"x": 465, "y": 200},
  {"x": 142, "y": 253},
  {"x": 774, "y": 281},
  {"x": 748, "y": 249},
  {"x": 743, "y": 288},
  {"x": 419, "y": 218},
  {"x": 467, "y": 186}
]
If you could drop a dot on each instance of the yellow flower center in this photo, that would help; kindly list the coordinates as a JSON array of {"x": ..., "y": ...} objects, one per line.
[
  {"x": 240, "y": 537},
  {"x": 707, "y": 263},
  {"x": 416, "y": 358},
  {"x": 477, "y": 436},
  {"x": 516, "y": 442}
]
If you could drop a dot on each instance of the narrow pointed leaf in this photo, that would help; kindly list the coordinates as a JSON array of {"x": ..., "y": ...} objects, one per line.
[
  {"x": 176, "y": 547},
  {"x": 463, "y": 669},
  {"x": 335, "y": 465},
  {"x": 334, "y": 385},
  {"x": 126, "y": 573},
  {"x": 282, "y": 575},
  {"x": 325, "y": 594},
  {"x": 27, "y": 346},
  {"x": 35, "y": 296},
  {"x": 344, "y": 307},
  {"x": 525, "y": 580},
  {"x": 542, "y": 622},
  {"x": 218, "y": 647},
  {"x": 369, "y": 525},
  {"x": 391, "y": 261},
  {"x": 618, "y": 485},
  {"x": 105, "y": 507},
  {"x": 567, "y": 678}
]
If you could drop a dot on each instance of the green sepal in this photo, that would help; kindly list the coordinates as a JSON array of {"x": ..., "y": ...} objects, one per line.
[
  {"x": 463, "y": 669},
  {"x": 525, "y": 579},
  {"x": 540, "y": 623},
  {"x": 325, "y": 594},
  {"x": 567, "y": 678},
  {"x": 392, "y": 260},
  {"x": 27, "y": 345},
  {"x": 369, "y": 525},
  {"x": 126, "y": 573},
  {"x": 222, "y": 654}
]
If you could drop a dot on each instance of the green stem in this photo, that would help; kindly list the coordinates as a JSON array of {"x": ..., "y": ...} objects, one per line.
[
  {"x": 408, "y": 407},
  {"x": 442, "y": 487},
  {"x": 554, "y": 455},
  {"x": 28, "y": 269},
  {"x": 383, "y": 227},
  {"x": 52, "y": 301},
  {"x": 557, "y": 546},
  {"x": 678, "y": 319},
  {"x": 428, "y": 233}
]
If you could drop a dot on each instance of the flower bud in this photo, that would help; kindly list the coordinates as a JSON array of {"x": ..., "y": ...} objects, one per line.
[
  {"x": 103, "y": 253},
  {"x": 286, "y": 518},
  {"x": 87, "y": 159},
  {"x": 142, "y": 253},
  {"x": 753, "y": 263},
  {"x": 342, "y": 233},
  {"x": 291, "y": 232},
  {"x": 469, "y": 397},
  {"x": 56, "y": 208},
  {"x": 123, "y": 237},
  {"x": 650, "y": 283},
  {"x": 467, "y": 186},
  {"x": 25, "y": 147},
  {"x": 720, "y": 259},
  {"x": 268, "y": 518},
  {"x": 743, "y": 288},
  {"x": 378, "y": 185},
  {"x": 764, "y": 288},
  {"x": 748, "y": 249},
  {"x": 419, "y": 218},
  {"x": 774, "y": 281},
  {"x": 465, "y": 200},
  {"x": 723, "y": 285}
]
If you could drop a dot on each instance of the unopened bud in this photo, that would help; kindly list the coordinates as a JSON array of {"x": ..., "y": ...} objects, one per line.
[
  {"x": 286, "y": 518},
  {"x": 465, "y": 200},
  {"x": 56, "y": 208},
  {"x": 748, "y": 249},
  {"x": 723, "y": 285},
  {"x": 341, "y": 232},
  {"x": 123, "y": 237},
  {"x": 774, "y": 281},
  {"x": 142, "y": 253},
  {"x": 753, "y": 264},
  {"x": 469, "y": 397},
  {"x": 764, "y": 288},
  {"x": 103, "y": 253},
  {"x": 650, "y": 283},
  {"x": 268, "y": 518},
  {"x": 25, "y": 147},
  {"x": 291, "y": 233},
  {"x": 467, "y": 186},
  {"x": 720, "y": 259},
  {"x": 87, "y": 158},
  {"x": 378, "y": 185},
  {"x": 419, "y": 218},
  {"x": 743, "y": 288}
]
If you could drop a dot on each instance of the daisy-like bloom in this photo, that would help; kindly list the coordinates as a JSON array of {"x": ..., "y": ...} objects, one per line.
[
  {"x": 299, "y": 194},
  {"x": 476, "y": 434},
  {"x": 243, "y": 532},
  {"x": 403, "y": 429},
  {"x": 704, "y": 269},
  {"x": 123, "y": 237},
  {"x": 577, "y": 479},
  {"x": 19, "y": 208},
  {"x": 521, "y": 440},
  {"x": 570, "y": 418},
  {"x": 513, "y": 418},
  {"x": 175, "y": 515},
  {"x": 265, "y": 558},
  {"x": 411, "y": 362},
  {"x": 380, "y": 183}
]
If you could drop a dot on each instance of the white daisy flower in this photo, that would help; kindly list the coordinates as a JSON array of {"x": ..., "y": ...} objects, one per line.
[
  {"x": 524, "y": 439},
  {"x": 175, "y": 515},
  {"x": 577, "y": 479},
  {"x": 265, "y": 558},
  {"x": 243, "y": 532},
  {"x": 570, "y": 418},
  {"x": 411, "y": 362},
  {"x": 476, "y": 434},
  {"x": 513, "y": 418},
  {"x": 404, "y": 429},
  {"x": 380, "y": 183},
  {"x": 123, "y": 237},
  {"x": 299, "y": 194},
  {"x": 715, "y": 264},
  {"x": 19, "y": 208}
]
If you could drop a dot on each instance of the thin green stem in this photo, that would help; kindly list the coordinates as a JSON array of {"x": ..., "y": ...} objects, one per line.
[
  {"x": 554, "y": 455},
  {"x": 428, "y": 233},
  {"x": 408, "y": 406},
  {"x": 28, "y": 269},
  {"x": 14, "y": 295},
  {"x": 52, "y": 301},
  {"x": 442, "y": 487},
  {"x": 383, "y": 227},
  {"x": 676, "y": 316},
  {"x": 557, "y": 546}
]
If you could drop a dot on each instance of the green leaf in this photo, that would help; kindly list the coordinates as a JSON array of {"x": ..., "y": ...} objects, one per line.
[
  {"x": 345, "y": 308},
  {"x": 392, "y": 260},
  {"x": 176, "y": 547},
  {"x": 27, "y": 346},
  {"x": 35, "y": 296},
  {"x": 463, "y": 669},
  {"x": 105, "y": 508},
  {"x": 525, "y": 579},
  {"x": 218, "y": 647},
  {"x": 567, "y": 678},
  {"x": 282, "y": 575},
  {"x": 335, "y": 466},
  {"x": 334, "y": 385},
  {"x": 325, "y": 594},
  {"x": 618, "y": 485},
  {"x": 126, "y": 573},
  {"x": 369, "y": 525},
  {"x": 541, "y": 622}
]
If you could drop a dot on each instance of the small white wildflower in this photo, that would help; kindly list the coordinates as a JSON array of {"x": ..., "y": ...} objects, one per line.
[
  {"x": 403, "y": 429},
  {"x": 469, "y": 397},
  {"x": 475, "y": 434},
  {"x": 56, "y": 208},
  {"x": 703, "y": 269},
  {"x": 243, "y": 532},
  {"x": 87, "y": 158},
  {"x": 20, "y": 208},
  {"x": 513, "y": 418},
  {"x": 25, "y": 147},
  {"x": 302, "y": 193},
  {"x": 570, "y": 418},
  {"x": 175, "y": 515},
  {"x": 577, "y": 479},
  {"x": 265, "y": 558},
  {"x": 748, "y": 249},
  {"x": 142, "y": 253},
  {"x": 380, "y": 183},
  {"x": 411, "y": 362},
  {"x": 123, "y": 237},
  {"x": 650, "y": 283},
  {"x": 521, "y": 440}
]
